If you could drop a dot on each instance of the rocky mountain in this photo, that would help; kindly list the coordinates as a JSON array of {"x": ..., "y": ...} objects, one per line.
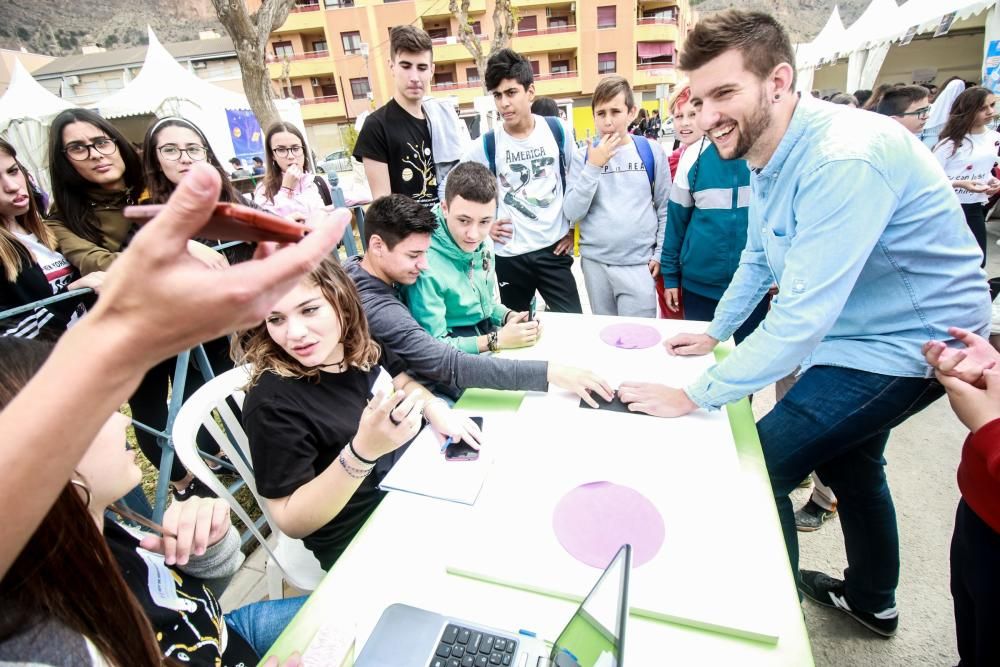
[
  {"x": 802, "y": 18},
  {"x": 57, "y": 28}
]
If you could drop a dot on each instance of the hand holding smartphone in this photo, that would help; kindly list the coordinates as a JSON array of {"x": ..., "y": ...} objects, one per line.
[
  {"x": 460, "y": 451},
  {"x": 234, "y": 222}
]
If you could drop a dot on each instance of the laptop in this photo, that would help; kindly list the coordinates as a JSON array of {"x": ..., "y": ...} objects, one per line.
[{"x": 594, "y": 637}]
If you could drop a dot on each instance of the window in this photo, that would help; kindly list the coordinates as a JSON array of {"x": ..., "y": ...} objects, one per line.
[
  {"x": 320, "y": 46},
  {"x": 328, "y": 90},
  {"x": 607, "y": 62},
  {"x": 442, "y": 78},
  {"x": 472, "y": 74},
  {"x": 477, "y": 27},
  {"x": 559, "y": 66},
  {"x": 283, "y": 49},
  {"x": 535, "y": 68},
  {"x": 360, "y": 88},
  {"x": 335, "y": 4},
  {"x": 606, "y": 17},
  {"x": 559, "y": 22},
  {"x": 437, "y": 33},
  {"x": 655, "y": 53},
  {"x": 297, "y": 93},
  {"x": 351, "y": 42},
  {"x": 529, "y": 25}
]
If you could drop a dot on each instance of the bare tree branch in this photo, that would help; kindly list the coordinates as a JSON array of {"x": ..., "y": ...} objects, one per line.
[
  {"x": 249, "y": 33},
  {"x": 503, "y": 30}
]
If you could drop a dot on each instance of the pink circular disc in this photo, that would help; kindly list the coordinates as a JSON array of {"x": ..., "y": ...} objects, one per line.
[
  {"x": 594, "y": 520},
  {"x": 630, "y": 336}
]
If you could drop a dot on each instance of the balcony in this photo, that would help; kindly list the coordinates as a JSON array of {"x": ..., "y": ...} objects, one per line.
[
  {"x": 433, "y": 8},
  {"x": 649, "y": 74},
  {"x": 449, "y": 49},
  {"x": 557, "y": 83},
  {"x": 465, "y": 91},
  {"x": 655, "y": 30},
  {"x": 312, "y": 63},
  {"x": 552, "y": 39},
  {"x": 319, "y": 108},
  {"x": 303, "y": 17}
]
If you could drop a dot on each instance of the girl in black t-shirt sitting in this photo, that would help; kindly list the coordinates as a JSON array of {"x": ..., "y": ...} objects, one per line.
[{"x": 320, "y": 414}]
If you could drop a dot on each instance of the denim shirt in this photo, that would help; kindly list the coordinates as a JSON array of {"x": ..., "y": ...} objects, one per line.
[{"x": 856, "y": 222}]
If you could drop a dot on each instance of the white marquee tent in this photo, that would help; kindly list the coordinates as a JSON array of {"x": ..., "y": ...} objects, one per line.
[
  {"x": 26, "y": 110},
  {"x": 867, "y": 41},
  {"x": 163, "y": 87}
]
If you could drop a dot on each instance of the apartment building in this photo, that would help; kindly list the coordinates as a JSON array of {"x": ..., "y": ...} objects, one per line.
[{"x": 332, "y": 54}]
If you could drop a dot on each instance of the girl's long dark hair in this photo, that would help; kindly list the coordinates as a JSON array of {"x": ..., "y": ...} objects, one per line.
[
  {"x": 69, "y": 188},
  {"x": 158, "y": 186},
  {"x": 963, "y": 116},
  {"x": 66, "y": 573},
  {"x": 272, "y": 172}
]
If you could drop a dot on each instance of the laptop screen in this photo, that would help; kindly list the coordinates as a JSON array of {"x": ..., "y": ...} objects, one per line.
[{"x": 595, "y": 636}]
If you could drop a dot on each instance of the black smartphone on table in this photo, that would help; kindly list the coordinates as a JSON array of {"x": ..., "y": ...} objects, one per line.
[{"x": 460, "y": 451}]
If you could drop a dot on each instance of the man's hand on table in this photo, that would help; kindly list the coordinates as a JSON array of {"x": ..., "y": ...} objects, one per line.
[
  {"x": 581, "y": 382},
  {"x": 658, "y": 400},
  {"x": 687, "y": 345}
]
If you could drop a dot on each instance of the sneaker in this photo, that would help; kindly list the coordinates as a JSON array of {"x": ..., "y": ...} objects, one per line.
[
  {"x": 811, "y": 517},
  {"x": 829, "y": 592},
  {"x": 194, "y": 488}
]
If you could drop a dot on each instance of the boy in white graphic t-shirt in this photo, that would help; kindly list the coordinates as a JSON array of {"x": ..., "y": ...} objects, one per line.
[{"x": 534, "y": 242}]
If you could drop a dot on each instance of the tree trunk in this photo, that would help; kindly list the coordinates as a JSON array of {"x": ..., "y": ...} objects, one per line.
[
  {"x": 503, "y": 30},
  {"x": 249, "y": 33}
]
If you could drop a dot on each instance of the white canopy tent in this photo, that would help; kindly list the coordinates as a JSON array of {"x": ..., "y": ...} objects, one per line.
[
  {"x": 163, "y": 87},
  {"x": 809, "y": 55},
  {"x": 867, "y": 42},
  {"x": 26, "y": 111}
]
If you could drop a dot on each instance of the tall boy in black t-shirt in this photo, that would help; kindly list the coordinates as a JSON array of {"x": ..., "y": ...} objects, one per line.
[{"x": 408, "y": 144}]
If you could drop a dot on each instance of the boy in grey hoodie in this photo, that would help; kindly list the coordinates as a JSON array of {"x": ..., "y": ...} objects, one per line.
[{"x": 617, "y": 191}]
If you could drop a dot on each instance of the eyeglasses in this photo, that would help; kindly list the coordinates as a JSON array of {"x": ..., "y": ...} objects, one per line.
[
  {"x": 81, "y": 152},
  {"x": 922, "y": 112},
  {"x": 285, "y": 151},
  {"x": 173, "y": 152}
]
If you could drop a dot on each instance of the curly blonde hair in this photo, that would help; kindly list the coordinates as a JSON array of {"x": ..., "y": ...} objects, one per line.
[{"x": 256, "y": 347}]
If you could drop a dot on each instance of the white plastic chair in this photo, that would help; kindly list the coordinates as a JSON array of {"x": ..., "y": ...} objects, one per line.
[{"x": 289, "y": 558}]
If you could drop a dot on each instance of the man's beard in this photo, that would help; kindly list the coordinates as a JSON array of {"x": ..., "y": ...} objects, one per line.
[{"x": 755, "y": 126}]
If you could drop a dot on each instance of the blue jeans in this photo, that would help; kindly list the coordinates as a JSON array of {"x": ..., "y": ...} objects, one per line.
[
  {"x": 836, "y": 421},
  {"x": 260, "y": 623},
  {"x": 698, "y": 307}
]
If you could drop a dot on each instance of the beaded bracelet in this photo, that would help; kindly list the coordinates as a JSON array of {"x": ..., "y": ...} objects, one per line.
[
  {"x": 356, "y": 473},
  {"x": 491, "y": 342}
]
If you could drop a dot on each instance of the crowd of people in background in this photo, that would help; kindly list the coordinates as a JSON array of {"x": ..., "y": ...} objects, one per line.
[{"x": 734, "y": 224}]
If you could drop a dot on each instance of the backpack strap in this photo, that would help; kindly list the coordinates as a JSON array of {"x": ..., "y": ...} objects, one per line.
[
  {"x": 646, "y": 155},
  {"x": 490, "y": 148},
  {"x": 324, "y": 190},
  {"x": 556, "y": 126}
]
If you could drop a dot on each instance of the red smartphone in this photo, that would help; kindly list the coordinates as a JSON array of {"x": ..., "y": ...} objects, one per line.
[
  {"x": 234, "y": 222},
  {"x": 459, "y": 451}
]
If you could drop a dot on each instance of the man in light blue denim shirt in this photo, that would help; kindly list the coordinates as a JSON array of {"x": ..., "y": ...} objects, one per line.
[{"x": 860, "y": 229}]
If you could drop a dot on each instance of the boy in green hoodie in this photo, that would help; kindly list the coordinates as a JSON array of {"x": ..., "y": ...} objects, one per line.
[{"x": 456, "y": 300}]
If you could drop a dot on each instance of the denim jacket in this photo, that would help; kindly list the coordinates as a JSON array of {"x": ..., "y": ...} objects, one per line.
[{"x": 856, "y": 222}]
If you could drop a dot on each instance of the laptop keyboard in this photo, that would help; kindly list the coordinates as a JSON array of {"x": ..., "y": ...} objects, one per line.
[{"x": 464, "y": 647}]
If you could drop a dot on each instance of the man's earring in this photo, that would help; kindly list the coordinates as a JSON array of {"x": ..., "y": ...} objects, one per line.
[{"x": 777, "y": 97}]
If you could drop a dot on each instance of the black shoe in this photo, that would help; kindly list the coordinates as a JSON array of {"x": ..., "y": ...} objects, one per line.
[
  {"x": 829, "y": 592},
  {"x": 194, "y": 488}
]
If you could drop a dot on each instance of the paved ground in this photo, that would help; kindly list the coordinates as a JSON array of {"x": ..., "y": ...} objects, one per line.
[{"x": 922, "y": 458}]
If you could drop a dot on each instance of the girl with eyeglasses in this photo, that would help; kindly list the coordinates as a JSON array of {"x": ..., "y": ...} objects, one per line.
[
  {"x": 968, "y": 150},
  {"x": 288, "y": 189},
  {"x": 171, "y": 147},
  {"x": 31, "y": 266},
  {"x": 95, "y": 174}
]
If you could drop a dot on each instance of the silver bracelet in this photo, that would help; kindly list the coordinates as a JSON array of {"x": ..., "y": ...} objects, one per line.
[{"x": 356, "y": 473}]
